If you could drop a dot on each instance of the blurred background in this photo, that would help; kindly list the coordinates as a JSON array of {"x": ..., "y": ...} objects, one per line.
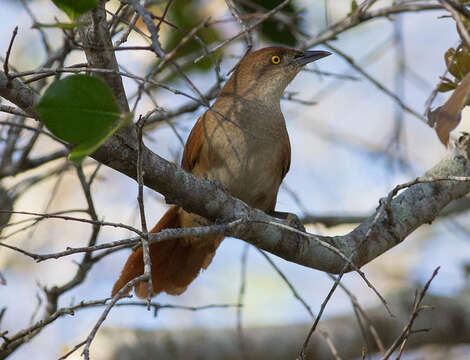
[{"x": 351, "y": 144}]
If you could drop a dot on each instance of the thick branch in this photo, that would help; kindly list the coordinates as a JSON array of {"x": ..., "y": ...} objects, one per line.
[
  {"x": 455, "y": 208},
  {"x": 420, "y": 204},
  {"x": 99, "y": 51}
]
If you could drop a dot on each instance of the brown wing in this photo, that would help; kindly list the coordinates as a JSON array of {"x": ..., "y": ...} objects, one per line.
[
  {"x": 286, "y": 159},
  {"x": 193, "y": 146}
]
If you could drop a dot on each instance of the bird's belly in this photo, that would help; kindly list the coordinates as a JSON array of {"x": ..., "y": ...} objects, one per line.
[{"x": 254, "y": 180}]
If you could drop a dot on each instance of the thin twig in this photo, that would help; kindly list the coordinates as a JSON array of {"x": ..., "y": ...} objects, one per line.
[
  {"x": 457, "y": 10},
  {"x": 416, "y": 310},
  {"x": 323, "y": 333},
  {"x": 302, "y": 354},
  {"x": 349, "y": 22},
  {"x": 303, "y": 351},
  {"x": 69, "y": 218},
  {"x": 363, "y": 314},
  {"x": 369, "y": 77},
  {"x": 348, "y": 261},
  {"x": 125, "y": 35},
  {"x": 13, "y": 110},
  {"x": 241, "y": 296},
  {"x": 166, "y": 234},
  {"x": 7, "y": 56},
  {"x": 140, "y": 199},
  {"x": 42, "y": 33},
  {"x": 102, "y": 318},
  {"x": 246, "y": 32},
  {"x": 261, "y": 19},
  {"x": 188, "y": 37}
]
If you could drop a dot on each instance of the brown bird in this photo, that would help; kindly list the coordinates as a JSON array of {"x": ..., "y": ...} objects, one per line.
[{"x": 242, "y": 144}]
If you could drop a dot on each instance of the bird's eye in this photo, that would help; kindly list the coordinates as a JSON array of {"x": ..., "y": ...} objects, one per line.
[{"x": 275, "y": 59}]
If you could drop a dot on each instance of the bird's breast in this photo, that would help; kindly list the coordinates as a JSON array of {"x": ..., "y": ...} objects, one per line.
[{"x": 247, "y": 161}]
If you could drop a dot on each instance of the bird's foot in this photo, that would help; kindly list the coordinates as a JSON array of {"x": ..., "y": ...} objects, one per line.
[
  {"x": 219, "y": 185},
  {"x": 294, "y": 221},
  {"x": 291, "y": 219}
]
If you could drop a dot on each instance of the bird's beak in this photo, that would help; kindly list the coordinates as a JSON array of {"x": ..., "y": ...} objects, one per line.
[{"x": 309, "y": 56}]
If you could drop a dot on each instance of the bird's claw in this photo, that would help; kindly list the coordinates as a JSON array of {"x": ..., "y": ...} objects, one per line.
[{"x": 294, "y": 221}]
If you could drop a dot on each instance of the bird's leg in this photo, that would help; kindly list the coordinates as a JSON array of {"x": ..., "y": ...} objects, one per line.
[{"x": 291, "y": 219}]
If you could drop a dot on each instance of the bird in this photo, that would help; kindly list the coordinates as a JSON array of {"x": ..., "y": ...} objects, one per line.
[{"x": 241, "y": 143}]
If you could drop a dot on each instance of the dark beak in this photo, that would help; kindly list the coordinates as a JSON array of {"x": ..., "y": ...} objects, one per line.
[{"x": 309, "y": 56}]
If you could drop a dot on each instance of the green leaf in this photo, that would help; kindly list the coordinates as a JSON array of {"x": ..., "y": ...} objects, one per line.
[
  {"x": 79, "y": 109},
  {"x": 449, "y": 58},
  {"x": 463, "y": 60},
  {"x": 83, "y": 150},
  {"x": 75, "y": 8},
  {"x": 354, "y": 6},
  {"x": 446, "y": 86}
]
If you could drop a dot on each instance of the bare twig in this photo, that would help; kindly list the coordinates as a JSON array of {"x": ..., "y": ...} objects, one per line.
[
  {"x": 302, "y": 353},
  {"x": 363, "y": 314},
  {"x": 147, "y": 18},
  {"x": 406, "y": 332},
  {"x": 261, "y": 19},
  {"x": 349, "y": 22},
  {"x": 167, "y": 234},
  {"x": 42, "y": 33},
  {"x": 189, "y": 36},
  {"x": 348, "y": 262},
  {"x": 369, "y": 77},
  {"x": 140, "y": 200},
  {"x": 323, "y": 333},
  {"x": 126, "y": 33},
  {"x": 7, "y": 56},
  {"x": 13, "y": 110},
  {"x": 120, "y": 293},
  {"x": 36, "y": 309},
  {"x": 458, "y": 10},
  {"x": 241, "y": 296},
  {"x": 247, "y": 32},
  {"x": 22, "y": 335},
  {"x": 12, "y": 342},
  {"x": 69, "y": 218}
]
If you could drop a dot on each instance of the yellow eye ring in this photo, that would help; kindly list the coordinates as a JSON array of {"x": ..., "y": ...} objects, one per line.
[{"x": 275, "y": 59}]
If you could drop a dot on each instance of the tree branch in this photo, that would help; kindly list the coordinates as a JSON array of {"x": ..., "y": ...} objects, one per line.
[{"x": 419, "y": 204}]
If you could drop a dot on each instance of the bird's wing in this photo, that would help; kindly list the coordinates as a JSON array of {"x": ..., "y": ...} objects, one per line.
[
  {"x": 286, "y": 160},
  {"x": 193, "y": 146}
]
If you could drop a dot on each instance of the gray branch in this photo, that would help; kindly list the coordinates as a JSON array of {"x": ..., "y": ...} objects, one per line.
[{"x": 419, "y": 204}]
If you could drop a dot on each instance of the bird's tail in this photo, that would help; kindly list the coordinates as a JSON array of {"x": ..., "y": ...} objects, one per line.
[{"x": 175, "y": 263}]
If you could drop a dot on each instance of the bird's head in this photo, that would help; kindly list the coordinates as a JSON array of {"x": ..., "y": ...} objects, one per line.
[{"x": 267, "y": 72}]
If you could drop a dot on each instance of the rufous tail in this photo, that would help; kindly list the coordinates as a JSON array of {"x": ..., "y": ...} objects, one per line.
[{"x": 175, "y": 263}]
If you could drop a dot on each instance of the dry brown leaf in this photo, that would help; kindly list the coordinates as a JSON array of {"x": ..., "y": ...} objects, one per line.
[{"x": 446, "y": 117}]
